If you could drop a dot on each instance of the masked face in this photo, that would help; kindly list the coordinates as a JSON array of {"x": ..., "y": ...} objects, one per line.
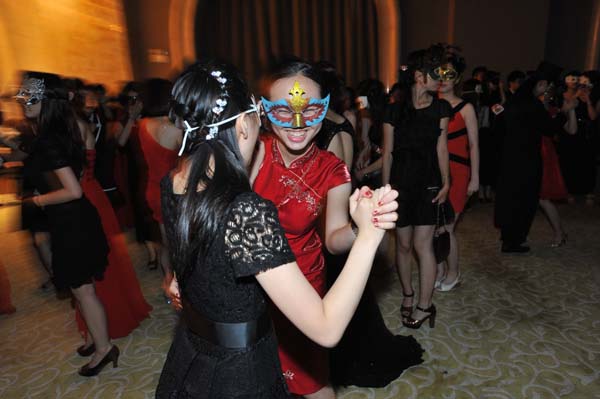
[
  {"x": 447, "y": 77},
  {"x": 31, "y": 91},
  {"x": 584, "y": 83},
  {"x": 297, "y": 113},
  {"x": 571, "y": 81}
]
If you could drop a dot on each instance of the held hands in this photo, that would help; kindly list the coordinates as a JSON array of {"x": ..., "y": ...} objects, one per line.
[{"x": 374, "y": 211}]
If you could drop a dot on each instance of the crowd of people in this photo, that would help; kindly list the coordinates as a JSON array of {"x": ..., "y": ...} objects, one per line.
[{"x": 265, "y": 214}]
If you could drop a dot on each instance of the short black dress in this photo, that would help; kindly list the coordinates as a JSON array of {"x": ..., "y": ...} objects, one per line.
[
  {"x": 223, "y": 288},
  {"x": 79, "y": 247},
  {"x": 415, "y": 170}
]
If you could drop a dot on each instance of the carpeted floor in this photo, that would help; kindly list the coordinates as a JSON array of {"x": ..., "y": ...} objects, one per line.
[{"x": 518, "y": 327}]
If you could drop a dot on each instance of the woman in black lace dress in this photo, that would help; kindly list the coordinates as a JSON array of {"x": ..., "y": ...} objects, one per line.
[{"x": 231, "y": 252}]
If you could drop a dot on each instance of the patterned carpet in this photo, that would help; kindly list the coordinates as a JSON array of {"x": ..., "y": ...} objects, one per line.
[{"x": 518, "y": 326}]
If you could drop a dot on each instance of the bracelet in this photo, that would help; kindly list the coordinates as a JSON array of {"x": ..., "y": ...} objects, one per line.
[{"x": 354, "y": 227}]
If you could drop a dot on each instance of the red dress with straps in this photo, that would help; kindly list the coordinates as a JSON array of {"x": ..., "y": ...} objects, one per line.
[
  {"x": 159, "y": 162},
  {"x": 460, "y": 165},
  {"x": 119, "y": 291},
  {"x": 299, "y": 192}
]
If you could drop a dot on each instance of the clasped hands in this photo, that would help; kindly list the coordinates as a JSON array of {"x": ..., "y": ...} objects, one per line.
[{"x": 374, "y": 209}]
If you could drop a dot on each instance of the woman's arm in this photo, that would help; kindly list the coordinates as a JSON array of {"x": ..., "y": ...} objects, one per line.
[
  {"x": 386, "y": 152},
  {"x": 338, "y": 231},
  {"x": 442, "y": 153},
  {"x": 71, "y": 189},
  {"x": 365, "y": 143},
  {"x": 324, "y": 320},
  {"x": 468, "y": 113},
  {"x": 570, "y": 127}
]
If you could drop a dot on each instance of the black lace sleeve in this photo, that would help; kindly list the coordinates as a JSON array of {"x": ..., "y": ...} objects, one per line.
[{"x": 254, "y": 239}]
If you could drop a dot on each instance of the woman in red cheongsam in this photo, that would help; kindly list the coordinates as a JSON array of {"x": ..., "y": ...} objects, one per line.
[{"x": 302, "y": 180}]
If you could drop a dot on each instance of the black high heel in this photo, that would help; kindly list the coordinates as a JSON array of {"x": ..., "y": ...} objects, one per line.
[
  {"x": 89, "y": 351},
  {"x": 406, "y": 311},
  {"x": 111, "y": 356},
  {"x": 416, "y": 323}
]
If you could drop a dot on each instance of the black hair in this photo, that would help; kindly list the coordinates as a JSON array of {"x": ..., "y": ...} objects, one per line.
[
  {"x": 57, "y": 119},
  {"x": 194, "y": 95},
  {"x": 479, "y": 69},
  {"x": 291, "y": 66},
  {"x": 443, "y": 53},
  {"x": 515, "y": 76},
  {"x": 156, "y": 94},
  {"x": 334, "y": 85}
]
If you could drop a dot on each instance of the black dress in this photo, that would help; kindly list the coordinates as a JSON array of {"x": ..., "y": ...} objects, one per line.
[
  {"x": 520, "y": 177},
  {"x": 328, "y": 131},
  {"x": 578, "y": 154},
  {"x": 415, "y": 170},
  {"x": 223, "y": 288},
  {"x": 79, "y": 247}
]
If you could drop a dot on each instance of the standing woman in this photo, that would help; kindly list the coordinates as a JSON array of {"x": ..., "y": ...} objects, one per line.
[
  {"x": 415, "y": 162},
  {"x": 303, "y": 181},
  {"x": 157, "y": 142},
  {"x": 577, "y": 152},
  {"x": 230, "y": 251},
  {"x": 463, "y": 149},
  {"x": 79, "y": 248}
]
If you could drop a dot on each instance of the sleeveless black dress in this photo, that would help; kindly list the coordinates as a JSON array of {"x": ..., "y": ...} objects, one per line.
[
  {"x": 79, "y": 247},
  {"x": 223, "y": 288}
]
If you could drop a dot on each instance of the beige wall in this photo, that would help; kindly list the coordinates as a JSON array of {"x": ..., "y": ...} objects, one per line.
[
  {"x": 84, "y": 38},
  {"x": 502, "y": 35}
]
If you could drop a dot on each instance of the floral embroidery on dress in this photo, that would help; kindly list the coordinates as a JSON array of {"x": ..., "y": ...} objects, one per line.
[
  {"x": 289, "y": 375},
  {"x": 302, "y": 196}
]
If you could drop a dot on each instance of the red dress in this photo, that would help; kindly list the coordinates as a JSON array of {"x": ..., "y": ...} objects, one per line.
[
  {"x": 159, "y": 162},
  {"x": 119, "y": 291},
  {"x": 553, "y": 184},
  {"x": 460, "y": 165},
  {"x": 299, "y": 193}
]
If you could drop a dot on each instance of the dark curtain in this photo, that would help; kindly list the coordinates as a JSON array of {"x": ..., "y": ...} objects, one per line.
[{"x": 251, "y": 33}]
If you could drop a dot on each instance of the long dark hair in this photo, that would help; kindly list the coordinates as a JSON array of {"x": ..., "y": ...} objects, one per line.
[
  {"x": 57, "y": 119},
  {"x": 155, "y": 96},
  {"x": 200, "y": 213}
]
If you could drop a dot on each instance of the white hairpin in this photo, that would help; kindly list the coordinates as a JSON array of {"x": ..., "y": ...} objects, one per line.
[{"x": 188, "y": 130}]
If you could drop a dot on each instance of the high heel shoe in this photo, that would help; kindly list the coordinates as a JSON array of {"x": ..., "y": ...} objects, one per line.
[
  {"x": 560, "y": 243},
  {"x": 111, "y": 356},
  {"x": 406, "y": 311},
  {"x": 450, "y": 286},
  {"x": 416, "y": 323},
  {"x": 89, "y": 351}
]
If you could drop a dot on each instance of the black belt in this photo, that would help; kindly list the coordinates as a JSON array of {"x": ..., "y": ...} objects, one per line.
[
  {"x": 228, "y": 335},
  {"x": 459, "y": 159}
]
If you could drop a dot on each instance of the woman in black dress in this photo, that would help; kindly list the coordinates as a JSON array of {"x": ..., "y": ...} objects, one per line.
[
  {"x": 55, "y": 164},
  {"x": 415, "y": 162},
  {"x": 230, "y": 251}
]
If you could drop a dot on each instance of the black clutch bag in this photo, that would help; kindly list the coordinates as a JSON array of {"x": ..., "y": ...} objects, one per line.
[{"x": 441, "y": 237}]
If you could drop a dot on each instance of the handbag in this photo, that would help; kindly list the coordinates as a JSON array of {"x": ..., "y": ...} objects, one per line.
[{"x": 441, "y": 239}]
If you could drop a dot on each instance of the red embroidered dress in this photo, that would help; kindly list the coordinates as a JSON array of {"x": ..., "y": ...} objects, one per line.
[{"x": 299, "y": 192}]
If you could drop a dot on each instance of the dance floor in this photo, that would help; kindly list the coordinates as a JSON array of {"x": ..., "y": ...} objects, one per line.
[{"x": 517, "y": 327}]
